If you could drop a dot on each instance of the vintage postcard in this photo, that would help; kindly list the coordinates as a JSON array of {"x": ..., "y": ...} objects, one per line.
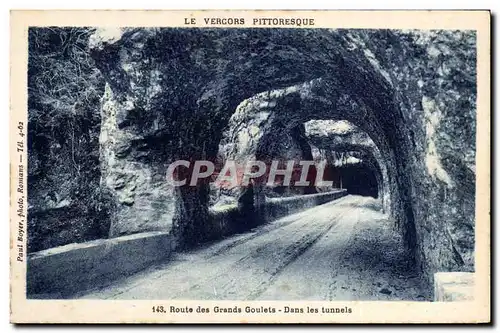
[{"x": 250, "y": 166}]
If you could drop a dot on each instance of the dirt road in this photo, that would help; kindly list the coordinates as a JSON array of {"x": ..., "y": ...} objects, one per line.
[{"x": 343, "y": 250}]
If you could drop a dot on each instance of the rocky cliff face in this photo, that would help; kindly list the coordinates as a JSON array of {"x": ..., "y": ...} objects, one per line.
[
  {"x": 134, "y": 176},
  {"x": 434, "y": 78},
  {"x": 171, "y": 94},
  {"x": 65, "y": 202}
]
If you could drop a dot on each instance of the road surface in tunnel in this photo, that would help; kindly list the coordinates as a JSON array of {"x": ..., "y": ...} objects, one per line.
[{"x": 342, "y": 250}]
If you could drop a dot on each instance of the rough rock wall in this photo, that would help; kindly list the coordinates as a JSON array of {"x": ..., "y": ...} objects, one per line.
[
  {"x": 412, "y": 92},
  {"x": 253, "y": 133},
  {"x": 134, "y": 176},
  {"x": 434, "y": 78},
  {"x": 286, "y": 144}
]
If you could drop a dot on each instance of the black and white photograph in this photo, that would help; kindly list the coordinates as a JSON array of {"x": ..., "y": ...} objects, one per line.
[{"x": 249, "y": 158}]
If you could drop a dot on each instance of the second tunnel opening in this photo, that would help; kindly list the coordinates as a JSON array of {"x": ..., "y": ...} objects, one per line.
[{"x": 357, "y": 179}]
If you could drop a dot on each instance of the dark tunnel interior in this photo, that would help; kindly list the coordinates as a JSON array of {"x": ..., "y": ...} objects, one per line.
[{"x": 357, "y": 179}]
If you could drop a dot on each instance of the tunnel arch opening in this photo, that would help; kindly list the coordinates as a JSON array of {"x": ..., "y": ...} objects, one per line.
[
  {"x": 354, "y": 159},
  {"x": 303, "y": 74},
  {"x": 358, "y": 179}
]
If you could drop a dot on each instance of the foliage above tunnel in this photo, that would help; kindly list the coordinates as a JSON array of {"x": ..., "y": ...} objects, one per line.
[{"x": 64, "y": 91}]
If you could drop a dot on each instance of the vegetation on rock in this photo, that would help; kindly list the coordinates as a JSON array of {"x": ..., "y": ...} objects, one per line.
[{"x": 66, "y": 203}]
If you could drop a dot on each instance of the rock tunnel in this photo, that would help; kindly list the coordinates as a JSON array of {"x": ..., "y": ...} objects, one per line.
[{"x": 355, "y": 98}]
